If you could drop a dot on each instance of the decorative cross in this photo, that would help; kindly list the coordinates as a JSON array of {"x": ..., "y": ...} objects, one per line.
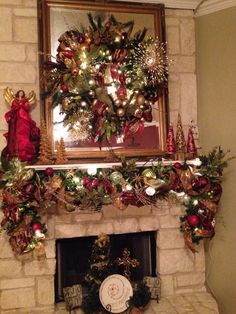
[{"x": 126, "y": 261}]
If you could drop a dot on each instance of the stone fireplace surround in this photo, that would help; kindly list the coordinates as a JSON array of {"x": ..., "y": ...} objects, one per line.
[{"x": 27, "y": 284}]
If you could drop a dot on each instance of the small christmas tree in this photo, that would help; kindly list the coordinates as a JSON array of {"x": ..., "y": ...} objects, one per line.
[
  {"x": 170, "y": 143},
  {"x": 45, "y": 152},
  {"x": 61, "y": 153},
  {"x": 191, "y": 147},
  {"x": 99, "y": 269},
  {"x": 180, "y": 140}
]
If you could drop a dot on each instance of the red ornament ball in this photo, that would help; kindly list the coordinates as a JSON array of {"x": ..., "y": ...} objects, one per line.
[
  {"x": 203, "y": 181},
  {"x": 177, "y": 165},
  {"x": 95, "y": 183},
  {"x": 86, "y": 181},
  {"x": 37, "y": 226},
  {"x": 49, "y": 171},
  {"x": 64, "y": 88},
  {"x": 193, "y": 220}
]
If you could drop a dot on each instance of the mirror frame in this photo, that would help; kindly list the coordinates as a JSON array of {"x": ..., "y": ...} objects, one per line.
[{"x": 157, "y": 10}]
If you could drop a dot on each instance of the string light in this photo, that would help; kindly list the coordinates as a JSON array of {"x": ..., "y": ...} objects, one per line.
[{"x": 92, "y": 170}]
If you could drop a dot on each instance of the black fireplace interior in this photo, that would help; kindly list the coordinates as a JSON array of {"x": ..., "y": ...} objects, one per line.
[{"x": 73, "y": 254}]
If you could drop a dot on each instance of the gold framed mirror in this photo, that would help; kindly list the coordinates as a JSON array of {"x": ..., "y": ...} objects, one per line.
[{"x": 59, "y": 21}]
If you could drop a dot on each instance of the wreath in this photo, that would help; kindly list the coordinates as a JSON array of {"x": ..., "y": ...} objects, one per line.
[{"x": 105, "y": 80}]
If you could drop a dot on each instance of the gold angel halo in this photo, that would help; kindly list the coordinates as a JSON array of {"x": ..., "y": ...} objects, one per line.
[{"x": 9, "y": 96}]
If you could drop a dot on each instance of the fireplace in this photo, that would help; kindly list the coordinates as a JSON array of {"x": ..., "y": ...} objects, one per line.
[{"x": 72, "y": 257}]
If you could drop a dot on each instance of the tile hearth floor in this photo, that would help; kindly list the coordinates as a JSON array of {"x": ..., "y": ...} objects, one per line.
[{"x": 192, "y": 303}]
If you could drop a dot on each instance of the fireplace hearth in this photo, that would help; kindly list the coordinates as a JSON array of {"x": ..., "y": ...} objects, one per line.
[{"x": 72, "y": 256}]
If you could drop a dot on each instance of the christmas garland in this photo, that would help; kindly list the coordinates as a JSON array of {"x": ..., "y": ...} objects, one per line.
[
  {"x": 27, "y": 193},
  {"x": 105, "y": 80}
]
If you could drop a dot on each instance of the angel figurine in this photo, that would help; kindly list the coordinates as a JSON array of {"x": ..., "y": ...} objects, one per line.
[{"x": 23, "y": 135}]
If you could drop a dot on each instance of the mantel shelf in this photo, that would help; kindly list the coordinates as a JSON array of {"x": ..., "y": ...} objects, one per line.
[{"x": 111, "y": 164}]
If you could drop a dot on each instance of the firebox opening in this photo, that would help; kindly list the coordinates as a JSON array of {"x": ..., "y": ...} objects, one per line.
[{"x": 73, "y": 254}]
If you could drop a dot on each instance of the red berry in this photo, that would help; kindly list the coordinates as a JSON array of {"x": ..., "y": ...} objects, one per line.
[
  {"x": 49, "y": 171},
  {"x": 193, "y": 220}
]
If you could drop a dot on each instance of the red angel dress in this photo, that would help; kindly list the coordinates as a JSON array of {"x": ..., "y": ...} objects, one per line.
[{"x": 23, "y": 134}]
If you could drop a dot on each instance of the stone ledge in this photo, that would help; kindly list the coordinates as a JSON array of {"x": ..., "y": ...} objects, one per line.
[{"x": 191, "y": 303}]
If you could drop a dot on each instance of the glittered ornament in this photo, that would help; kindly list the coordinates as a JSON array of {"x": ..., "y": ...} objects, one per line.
[
  {"x": 193, "y": 220},
  {"x": 116, "y": 177},
  {"x": 149, "y": 173},
  {"x": 82, "y": 128}
]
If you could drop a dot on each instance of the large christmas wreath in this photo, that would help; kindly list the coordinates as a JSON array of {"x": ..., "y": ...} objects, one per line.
[{"x": 105, "y": 79}]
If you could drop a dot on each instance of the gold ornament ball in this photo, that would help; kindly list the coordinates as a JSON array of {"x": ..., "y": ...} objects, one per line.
[
  {"x": 117, "y": 102},
  {"x": 149, "y": 173},
  {"x": 120, "y": 112},
  {"x": 140, "y": 100},
  {"x": 138, "y": 113}
]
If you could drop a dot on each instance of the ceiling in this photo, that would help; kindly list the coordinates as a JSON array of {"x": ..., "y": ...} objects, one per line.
[{"x": 200, "y": 7}]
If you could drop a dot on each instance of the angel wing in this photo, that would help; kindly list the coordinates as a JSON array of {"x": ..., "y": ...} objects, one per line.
[
  {"x": 31, "y": 97},
  {"x": 8, "y": 95}
]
